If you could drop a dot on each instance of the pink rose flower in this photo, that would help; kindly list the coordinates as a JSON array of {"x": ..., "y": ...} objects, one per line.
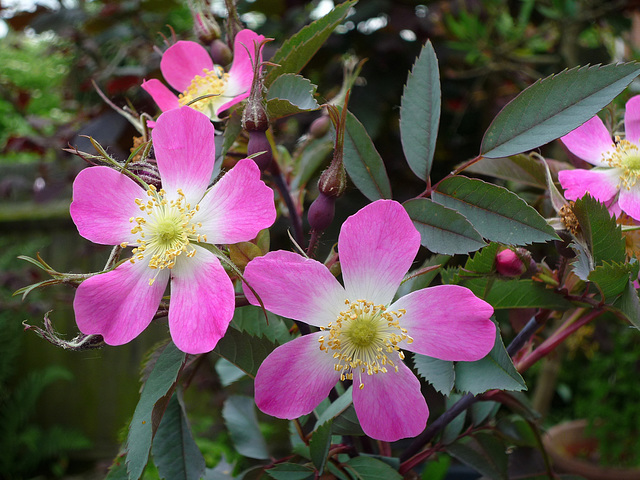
[
  {"x": 166, "y": 228},
  {"x": 362, "y": 329},
  {"x": 189, "y": 69},
  {"x": 614, "y": 181}
]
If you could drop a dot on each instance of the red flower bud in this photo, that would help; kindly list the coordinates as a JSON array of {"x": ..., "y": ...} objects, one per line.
[
  {"x": 321, "y": 212},
  {"x": 512, "y": 264},
  {"x": 258, "y": 143},
  {"x": 220, "y": 53}
]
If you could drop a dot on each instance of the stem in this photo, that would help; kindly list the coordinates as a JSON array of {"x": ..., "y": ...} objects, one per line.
[
  {"x": 455, "y": 172},
  {"x": 296, "y": 221},
  {"x": 315, "y": 235}
]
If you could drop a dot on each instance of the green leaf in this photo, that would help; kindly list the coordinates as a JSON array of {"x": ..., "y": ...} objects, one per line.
[
  {"x": 232, "y": 130},
  {"x": 251, "y": 319},
  {"x": 337, "y": 408},
  {"x": 442, "y": 230},
  {"x": 629, "y": 305},
  {"x": 290, "y": 94},
  {"x": 347, "y": 423},
  {"x": 244, "y": 351},
  {"x": 175, "y": 452},
  {"x": 496, "y": 370},
  {"x": 439, "y": 373},
  {"x": 454, "y": 427},
  {"x": 222, "y": 471},
  {"x": 363, "y": 162},
  {"x": 484, "y": 453},
  {"x": 368, "y": 468},
  {"x": 160, "y": 382},
  {"x": 517, "y": 294},
  {"x": 239, "y": 415},
  {"x": 294, "y": 54},
  {"x": 420, "y": 112},
  {"x": 496, "y": 213},
  {"x": 611, "y": 278},
  {"x": 554, "y": 106},
  {"x": 480, "y": 411},
  {"x": 524, "y": 169},
  {"x": 319, "y": 445},
  {"x": 483, "y": 261},
  {"x": 417, "y": 282},
  {"x": 313, "y": 156},
  {"x": 228, "y": 372},
  {"x": 291, "y": 471}
]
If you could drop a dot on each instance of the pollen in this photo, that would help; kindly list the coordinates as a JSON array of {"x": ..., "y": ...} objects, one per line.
[
  {"x": 625, "y": 157},
  {"x": 211, "y": 82},
  {"x": 364, "y": 339}
]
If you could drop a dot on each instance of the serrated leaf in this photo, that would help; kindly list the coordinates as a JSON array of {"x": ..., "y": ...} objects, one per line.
[
  {"x": 420, "y": 112},
  {"x": 294, "y": 54},
  {"x": 290, "y": 94},
  {"x": 363, "y": 163},
  {"x": 291, "y": 471},
  {"x": 251, "y": 319},
  {"x": 484, "y": 453},
  {"x": 495, "y": 371},
  {"x": 240, "y": 418},
  {"x": 611, "y": 278},
  {"x": 517, "y": 294},
  {"x": 554, "y": 106},
  {"x": 175, "y": 452},
  {"x": 244, "y": 351},
  {"x": 629, "y": 305},
  {"x": 496, "y": 213},
  {"x": 439, "y": 373},
  {"x": 161, "y": 380},
  {"x": 347, "y": 423},
  {"x": 484, "y": 260},
  {"x": 319, "y": 445},
  {"x": 368, "y": 468},
  {"x": 442, "y": 230}
]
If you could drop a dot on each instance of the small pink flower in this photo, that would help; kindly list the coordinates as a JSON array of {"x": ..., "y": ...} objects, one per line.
[
  {"x": 188, "y": 68},
  {"x": 614, "y": 180},
  {"x": 362, "y": 328},
  {"x": 509, "y": 264},
  {"x": 166, "y": 227}
]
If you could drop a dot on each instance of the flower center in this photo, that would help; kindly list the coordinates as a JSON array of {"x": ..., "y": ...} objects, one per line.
[
  {"x": 211, "y": 82},
  {"x": 362, "y": 337},
  {"x": 166, "y": 230},
  {"x": 626, "y": 156}
]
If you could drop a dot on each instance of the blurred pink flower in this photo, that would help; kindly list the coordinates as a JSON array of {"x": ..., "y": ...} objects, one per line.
[
  {"x": 362, "y": 328},
  {"x": 614, "y": 180},
  {"x": 189, "y": 69},
  {"x": 165, "y": 228}
]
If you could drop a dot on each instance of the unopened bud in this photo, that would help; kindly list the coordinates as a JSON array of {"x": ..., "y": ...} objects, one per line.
[
  {"x": 319, "y": 127},
  {"x": 205, "y": 26},
  {"x": 321, "y": 212},
  {"x": 512, "y": 264},
  {"x": 254, "y": 116},
  {"x": 220, "y": 53},
  {"x": 258, "y": 142},
  {"x": 333, "y": 181}
]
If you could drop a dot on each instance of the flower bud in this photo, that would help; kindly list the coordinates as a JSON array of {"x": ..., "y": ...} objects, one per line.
[
  {"x": 333, "y": 181},
  {"x": 509, "y": 264},
  {"x": 220, "y": 53},
  {"x": 321, "y": 212},
  {"x": 254, "y": 116},
  {"x": 319, "y": 127},
  {"x": 258, "y": 142},
  {"x": 205, "y": 26}
]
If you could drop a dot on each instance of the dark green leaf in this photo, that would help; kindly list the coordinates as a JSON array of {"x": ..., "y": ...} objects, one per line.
[
  {"x": 423, "y": 280},
  {"x": 222, "y": 471},
  {"x": 161, "y": 380},
  {"x": 420, "y": 112},
  {"x": 442, "y": 230},
  {"x": 313, "y": 156},
  {"x": 517, "y": 294},
  {"x": 290, "y": 94},
  {"x": 554, "y": 106},
  {"x": 496, "y": 213},
  {"x": 484, "y": 453},
  {"x": 336, "y": 408},
  {"x": 294, "y": 54},
  {"x": 454, "y": 427},
  {"x": 251, "y": 319},
  {"x": 347, "y": 423},
  {"x": 175, "y": 452},
  {"x": 118, "y": 469},
  {"x": 525, "y": 169},
  {"x": 439, "y": 373},
  {"x": 363, "y": 162},
  {"x": 496, "y": 370},
  {"x": 368, "y": 468},
  {"x": 483, "y": 261},
  {"x": 629, "y": 305},
  {"x": 518, "y": 431},
  {"x": 480, "y": 411},
  {"x": 231, "y": 132},
  {"x": 437, "y": 468},
  {"x": 319, "y": 445},
  {"x": 291, "y": 471},
  {"x": 244, "y": 351},
  {"x": 239, "y": 415},
  {"x": 611, "y": 278}
]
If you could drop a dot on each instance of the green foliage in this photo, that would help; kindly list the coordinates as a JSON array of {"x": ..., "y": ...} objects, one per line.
[
  {"x": 290, "y": 94},
  {"x": 369, "y": 468},
  {"x": 439, "y": 373},
  {"x": 483, "y": 452},
  {"x": 319, "y": 445},
  {"x": 245, "y": 352},
  {"x": 240, "y": 419}
]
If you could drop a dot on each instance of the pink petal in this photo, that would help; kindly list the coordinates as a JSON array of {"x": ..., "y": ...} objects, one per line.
[
  {"x": 119, "y": 304},
  {"x": 241, "y": 71},
  {"x": 295, "y": 378},
  {"x": 103, "y": 203},
  {"x": 600, "y": 184},
  {"x": 202, "y": 302},
  {"x": 590, "y": 141},
  {"x": 447, "y": 322},
  {"x": 165, "y": 98},
  {"x": 377, "y": 246},
  {"x": 629, "y": 201},
  {"x": 237, "y": 207},
  {"x": 185, "y": 152},
  {"x": 295, "y": 287},
  {"x": 632, "y": 120},
  {"x": 182, "y": 61},
  {"x": 390, "y": 406}
]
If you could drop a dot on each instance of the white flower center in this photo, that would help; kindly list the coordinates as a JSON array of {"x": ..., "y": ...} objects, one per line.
[
  {"x": 361, "y": 337},
  {"x": 166, "y": 230},
  {"x": 626, "y": 156},
  {"x": 211, "y": 82}
]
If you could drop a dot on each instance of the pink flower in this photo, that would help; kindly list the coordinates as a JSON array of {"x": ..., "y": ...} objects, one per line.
[
  {"x": 614, "y": 181},
  {"x": 362, "y": 328},
  {"x": 188, "y": 68},
  {"x": 166, "y": 228}
]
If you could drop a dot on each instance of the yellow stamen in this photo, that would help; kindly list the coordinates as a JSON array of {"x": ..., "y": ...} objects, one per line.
[{"x": 211, "y": 82}]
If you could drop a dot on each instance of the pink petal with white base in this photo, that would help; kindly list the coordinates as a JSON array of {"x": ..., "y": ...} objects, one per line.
[
  {"x": 237, "y": 207},
  {"x": 164, "y": 98},
  {"x": 202, "y": 302},
  {"x": 632, "y": 120},
  {"x": 295, "y": 378},
  {"x": 447, "y": 322},
  {"x": 182, "y": 61},
  {"x": 295, "y": 287},
  {"x": 600, "y": 184},
  {"x": 119, "y": 304},
  {"x": 185, "y": 152},
  {"x": 390, "y": 406},
  {"x": 103, "y": 203},
  {"x": 629, "y": 201},
  {"x": 377, "y": 246},
  {"x": 590, "y": 141}
]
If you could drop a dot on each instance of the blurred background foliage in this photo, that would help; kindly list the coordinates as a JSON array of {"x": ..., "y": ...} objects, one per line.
[{"x": 51, "y": 53}]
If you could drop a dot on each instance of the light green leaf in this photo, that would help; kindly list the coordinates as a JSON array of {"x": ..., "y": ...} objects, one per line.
[
  {"x": 251, "y": 319},
  {"x": 496, "y": 213},
  {"x": 439, "y": 373},
  {"x": 420, "y": 112},
  {"x": 368, "y": 468},
  {"x": 290, "y": 94},
  {"x": 442, "y": 230},
  {"x": 228, "y": 372},
  {"x": 611, "y": 278},
  {"x": 239, "y": 415},
  {"x": 629, "y": 305},
  {"x": 484, "y": 261},
  {"x": 313, "y": 156},
  {"x": 336, "y": 408},
  {"x": 554, "y": 106}
]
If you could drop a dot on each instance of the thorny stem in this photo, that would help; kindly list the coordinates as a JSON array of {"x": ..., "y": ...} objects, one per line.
[
  {"x": 313, "y": 241},
  {"x": 296, "y": 221}
]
